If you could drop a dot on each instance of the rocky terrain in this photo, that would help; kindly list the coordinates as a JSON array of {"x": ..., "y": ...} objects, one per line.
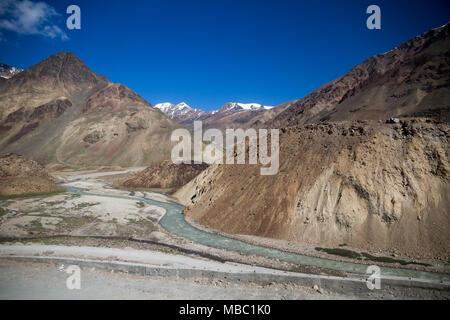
[
  {"x": 369, "y": 185},
  {"x": 60, "y": 112},
  {"x": 350, "y": 174},
  {"x": 19, "y": 175},
  {"x": 165, "y": 175}
]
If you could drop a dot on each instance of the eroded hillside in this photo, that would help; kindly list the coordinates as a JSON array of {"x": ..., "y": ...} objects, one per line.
[
  {"x": 19, "y": 175},
  {"x": 371, "y": 185},
  {"x": 165, "y": 175}
]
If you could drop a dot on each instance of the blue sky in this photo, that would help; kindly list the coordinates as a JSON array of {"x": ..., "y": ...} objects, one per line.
[{"x": 209, "y": 52}]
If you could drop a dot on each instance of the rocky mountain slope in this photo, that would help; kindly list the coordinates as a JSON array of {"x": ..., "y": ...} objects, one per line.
[
  {"x": 61, "y": 112},
  {"x": 165, "y": 175},
  {"x": 346, "y": 175},
  {"x": 19, "y": 175},
  {"x": 412, "y": 79}
]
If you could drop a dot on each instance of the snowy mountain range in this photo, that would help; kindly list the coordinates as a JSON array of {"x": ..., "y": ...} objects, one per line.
[
  {"x": 7, "y": 72},
  {"x": 179, "y": 112},
  {"x": 185, "y": 114},
  {"x": 237, "y": 106}
]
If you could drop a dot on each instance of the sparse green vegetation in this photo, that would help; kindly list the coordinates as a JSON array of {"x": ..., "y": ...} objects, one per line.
[
  {"x": 85, "y": 205},
  {"x": 74, "y": 222},
  {"x": 341, "y": 252},
  {"x": 42, "y": 215},
  {"x": 2, "y": 212},
  {"x": 73, "y": 196},
  {"x": 143, "y": 223},
  {"x": 366, "y": 256},
  {"x": 54, "y": 203},
  {"x": 32, "y": 195},
  {"x": 33, "y": 227},
  {"x": 392, "y": 260},
  {"x": 140, "y": 204}
]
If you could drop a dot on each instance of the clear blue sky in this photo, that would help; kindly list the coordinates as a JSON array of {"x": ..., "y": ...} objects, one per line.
[{"x": 208, "y": 52}]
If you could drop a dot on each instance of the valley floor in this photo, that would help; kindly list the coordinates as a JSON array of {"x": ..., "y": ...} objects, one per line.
[{"x": 110, "y": 218}]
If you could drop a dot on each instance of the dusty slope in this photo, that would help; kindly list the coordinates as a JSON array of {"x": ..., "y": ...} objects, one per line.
[
  {"x": 373, "y": 186},
  {"x": 19, "y": 176},
  {"x": 165, "y": 175},
  {"x": 59, "y": 111}
]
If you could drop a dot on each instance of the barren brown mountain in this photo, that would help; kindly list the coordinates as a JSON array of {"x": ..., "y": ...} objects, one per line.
[
  {"x": 19, "y": 175},
  {"x": 347, "y": 176},
  {"x": 60, "y": 112},
  {"x": 412, "y": 79}
]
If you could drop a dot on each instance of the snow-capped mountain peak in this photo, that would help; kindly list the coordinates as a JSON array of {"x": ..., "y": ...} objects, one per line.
[
  {"x": 8, "y": 71},
  {"x": 170, "y": 107},
  {"x": 179, "y": 112},
  {"x": 163, "y": 106},
  {"x": 183, "y": 113},
  {"x": 234, "y": 106}
]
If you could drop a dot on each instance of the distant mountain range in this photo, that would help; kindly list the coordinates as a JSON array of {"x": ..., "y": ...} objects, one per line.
[
  {"x": 7, "y": 72},
  {"x": 230, "y": 113},
  {"x": 180, "y": 112}
]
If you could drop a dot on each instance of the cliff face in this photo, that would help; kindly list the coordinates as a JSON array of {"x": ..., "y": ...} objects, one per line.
[
  {"x": 370, "y": 185},
  {"x": 60, "y": 112}
]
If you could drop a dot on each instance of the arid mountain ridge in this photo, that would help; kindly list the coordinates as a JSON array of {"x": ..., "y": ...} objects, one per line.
[
  {"x": 410, "y": 80},
  {"x": 60, "y": 112}
]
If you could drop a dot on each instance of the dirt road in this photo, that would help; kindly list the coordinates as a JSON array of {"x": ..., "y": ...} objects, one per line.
[{"x": 48, "y": 281}]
